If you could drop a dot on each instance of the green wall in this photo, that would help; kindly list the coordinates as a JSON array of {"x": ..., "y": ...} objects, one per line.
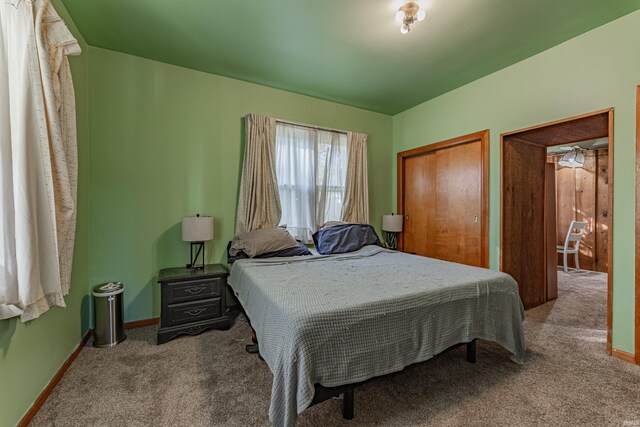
[
  {"x": 167, "y": 142},
  {"x": 31, "y": 353},
  {"x": 596, "y": 70}
]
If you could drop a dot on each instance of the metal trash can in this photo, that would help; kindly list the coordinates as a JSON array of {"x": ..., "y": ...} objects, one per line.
[{"x": 108, "y": 314}]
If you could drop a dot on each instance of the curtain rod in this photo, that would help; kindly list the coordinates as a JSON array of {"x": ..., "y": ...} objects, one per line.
[{"x": 289, "y": 122}]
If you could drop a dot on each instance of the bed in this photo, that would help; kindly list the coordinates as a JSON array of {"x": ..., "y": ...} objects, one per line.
[{"x": 326, "y": 323}]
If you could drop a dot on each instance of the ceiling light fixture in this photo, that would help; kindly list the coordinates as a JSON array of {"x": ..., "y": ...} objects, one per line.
[
  {"x": 573, "y": 159},
  {"x": 408, "y": 14}
]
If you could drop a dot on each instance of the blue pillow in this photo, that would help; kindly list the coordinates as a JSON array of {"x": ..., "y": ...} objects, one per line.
[
  {"x": 299, "y": 250},
  {"x": 341, "y": 239}
]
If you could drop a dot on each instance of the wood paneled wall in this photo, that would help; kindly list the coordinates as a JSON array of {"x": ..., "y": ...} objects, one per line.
[{"x": 582, "y": 195}]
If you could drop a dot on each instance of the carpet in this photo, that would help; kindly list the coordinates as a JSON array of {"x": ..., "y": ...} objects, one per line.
[{"x": 209, "y": 380}]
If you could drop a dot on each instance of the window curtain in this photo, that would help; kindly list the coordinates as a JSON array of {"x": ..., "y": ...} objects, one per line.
[
  {"x": 311, "y": 167},
  {"x": 356, "y": 199},
  {"x": 259, "y": 201},
  {"x": 38, "y": 160}
]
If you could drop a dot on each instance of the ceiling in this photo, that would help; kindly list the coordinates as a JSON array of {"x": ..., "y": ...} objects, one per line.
[
  {"x": 592, "y": 144},
  {"x": 350, "y": 52}
]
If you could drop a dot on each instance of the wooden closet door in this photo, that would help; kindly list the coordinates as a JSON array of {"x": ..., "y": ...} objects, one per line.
[
  {"x": 420, "y": 205},
  {"x": 443, "y": 193},
  {"x": 443, "y": 203},
  {"x": 459, "y": 204}
]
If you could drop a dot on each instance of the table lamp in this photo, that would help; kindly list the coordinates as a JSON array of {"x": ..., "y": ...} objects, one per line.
[
  {"x": 197, "y": 230},
  {"x": 392, "y": 225}
]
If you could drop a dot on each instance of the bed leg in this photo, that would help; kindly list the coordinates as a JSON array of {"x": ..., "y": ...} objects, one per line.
[
  {"x": 471, "y": 351},
  {"x": 347, "y": 405},
  {"x": 253, "y": 348}
]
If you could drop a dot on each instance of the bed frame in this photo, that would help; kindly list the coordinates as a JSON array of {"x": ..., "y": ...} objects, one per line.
[{"x": 345, "y": 392}]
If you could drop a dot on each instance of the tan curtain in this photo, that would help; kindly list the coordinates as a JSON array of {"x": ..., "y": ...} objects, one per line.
[
  {"x": 38, "y": 162},
  {"x": 259, "y": 201},
  {"x": 356, "y": 196},
  {"x": 57, "y": 44}
]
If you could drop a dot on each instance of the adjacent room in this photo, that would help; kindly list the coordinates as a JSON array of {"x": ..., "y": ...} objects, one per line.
[
  {"x": 333, "y": 213},
  {"x": 581, "y": 176}
]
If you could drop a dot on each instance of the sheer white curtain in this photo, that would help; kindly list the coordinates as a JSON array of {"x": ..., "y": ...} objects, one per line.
[
  {"x": 331, "y": 175},
  {"x": 38, "y": 161},
  {"x": 311, "y": 166}
]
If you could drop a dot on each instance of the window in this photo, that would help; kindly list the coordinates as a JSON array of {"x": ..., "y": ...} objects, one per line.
[{"x": 311, "y": 166}]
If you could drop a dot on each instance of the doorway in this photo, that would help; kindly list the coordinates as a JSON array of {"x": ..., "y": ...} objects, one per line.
[
  {"x": 443, "y": 194},
  {"x": 581, "y": 179},
  {"x": 528, "y": 248}
]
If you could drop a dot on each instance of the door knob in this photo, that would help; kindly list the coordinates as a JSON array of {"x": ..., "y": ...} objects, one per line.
[{"x": 475, "y": 219}]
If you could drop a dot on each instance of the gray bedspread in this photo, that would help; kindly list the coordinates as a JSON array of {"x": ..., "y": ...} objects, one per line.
[{"x": 340, "y": 319}]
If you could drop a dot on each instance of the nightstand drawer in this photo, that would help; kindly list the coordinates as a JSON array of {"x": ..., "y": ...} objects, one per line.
[
  {"x": 194, "y": 290},
  {"x": 192, "y": 311}
]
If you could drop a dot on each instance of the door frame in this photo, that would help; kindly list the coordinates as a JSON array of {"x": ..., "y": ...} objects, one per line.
[
  {"x": 483, "y": 137},
  {"x": 637, "y": 310},
  {"x": 609, "y": 112}
]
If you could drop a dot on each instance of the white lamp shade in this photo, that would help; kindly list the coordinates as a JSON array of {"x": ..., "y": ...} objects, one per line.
[
  {"x": 197, "y": 228},
  {"x": 392, "y": 223}
]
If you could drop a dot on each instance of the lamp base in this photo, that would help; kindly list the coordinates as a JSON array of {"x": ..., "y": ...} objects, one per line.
[
  {"x": 194, "y": 259},
  {"x": 391, "y": 239}
]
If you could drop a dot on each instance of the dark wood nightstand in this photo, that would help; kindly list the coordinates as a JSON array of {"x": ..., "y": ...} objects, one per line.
[{"x": 192, "y": 301}]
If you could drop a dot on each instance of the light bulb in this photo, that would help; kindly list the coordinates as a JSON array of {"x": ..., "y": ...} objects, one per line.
[
  {"x": 400, "y": 16},
  {"x": 421, "y": 14},
  {"x": 404, "y": 29}
]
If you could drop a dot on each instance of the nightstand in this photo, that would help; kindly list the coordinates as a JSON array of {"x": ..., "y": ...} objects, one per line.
[{"x": 192, "y": 301}]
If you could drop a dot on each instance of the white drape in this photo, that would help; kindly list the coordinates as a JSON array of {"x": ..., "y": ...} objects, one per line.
[
  {"x": 311, "y": 167},
  {"x": 38, "y": 160},
  {"x": 356, "y": 199},
  {"x": 258, "y": 201}
]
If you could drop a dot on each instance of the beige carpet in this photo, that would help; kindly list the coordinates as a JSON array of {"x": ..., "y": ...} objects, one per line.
[{"x": 210, "y": 380}]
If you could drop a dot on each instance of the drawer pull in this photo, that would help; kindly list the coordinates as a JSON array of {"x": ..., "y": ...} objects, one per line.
[
  {"x": 195, "y": 290},
  {"x": 195, "y": 311}
]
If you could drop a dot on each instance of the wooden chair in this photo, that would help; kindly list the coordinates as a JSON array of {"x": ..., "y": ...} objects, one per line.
[{"x": 575, "y": 233}]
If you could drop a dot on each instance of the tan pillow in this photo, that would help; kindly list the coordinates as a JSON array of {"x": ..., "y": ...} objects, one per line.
[{"x": 258, "y": 242}]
